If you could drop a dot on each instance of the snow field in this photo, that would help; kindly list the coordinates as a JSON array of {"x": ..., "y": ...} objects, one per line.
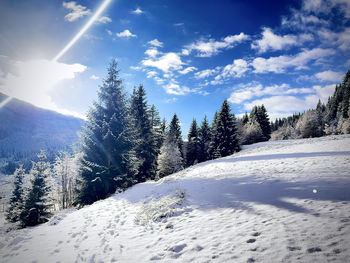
[{"x": 282, "y": 201}]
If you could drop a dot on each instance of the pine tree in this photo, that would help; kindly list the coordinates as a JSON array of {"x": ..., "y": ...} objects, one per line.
[
  {"x": 37, "y": 207},
  {"x": 158, "y": 127},
  {"x": 174, "y": 134},
  {"x": 108, "y": 162},
  {"x": 225, "y": 136},
  {"x": 17, "y": 198},
  {"x": 204, "y": 140},
  {"x": 259, "y": 114},
  {"x": 145, "y": 141},
  {"x": 214, "y": 140},
  {"x": 192, "y": 148}
]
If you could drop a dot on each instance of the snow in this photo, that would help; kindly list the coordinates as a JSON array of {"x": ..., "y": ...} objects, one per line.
[{"x": 280, "y": 201}]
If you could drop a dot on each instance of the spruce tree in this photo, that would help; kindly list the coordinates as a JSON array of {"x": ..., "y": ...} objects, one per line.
[
  {"x": 225, "y": 136},
  {"x": 214, "y": 140},
  {"x": 17, "y": 199},
  {"x": 259, "y": 115},
  {"x": 192, "y": 148},
  {"x": 204, "y": 141},
  {"x": 108, "y": 161},
  {"x": 158, "y": 127},
  {"x": 174, "y": 134},
  {"x": 145, "y": 147},
  {"x": 36, "y": 208}
]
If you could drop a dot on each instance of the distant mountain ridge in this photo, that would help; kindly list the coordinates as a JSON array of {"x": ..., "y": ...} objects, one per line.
[{"x": 26, "y": 129}]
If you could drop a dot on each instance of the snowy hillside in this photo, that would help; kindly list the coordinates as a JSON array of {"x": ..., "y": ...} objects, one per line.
[{"x": 276, "y": 201}]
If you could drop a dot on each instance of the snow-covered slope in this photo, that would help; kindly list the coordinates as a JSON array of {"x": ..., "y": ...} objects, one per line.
[{"x": 283, "y": 201}]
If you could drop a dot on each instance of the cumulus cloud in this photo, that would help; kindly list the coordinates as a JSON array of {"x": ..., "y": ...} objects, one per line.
[
  {"x": 152, "y": 52},
  {"x": 208, "y": 48},
  {"x": 175, "y": 89},
  {"x": 205, "y": 73},
  {"x": 168, "y": 62},
  {"x": 234, "y": 70},
  {"x": 76, "y": 11},
  {"x": 187, "y": 70},
  {"x": 339, "y": 39},
  {"x": 324, "y": 92},
  {"x": 156, "y": 43},
  {"x": 285, "y": 104},
  {"x": 329, "y": 75},
  {"x": 33, "y": 81},
  {"x": 271, "y": 41},
  {"x": 281, "y": 63},
  {"x": 137, "y": 11},
  {"x": 125, "y": 34},
  {"x": 255, "y": 89}
]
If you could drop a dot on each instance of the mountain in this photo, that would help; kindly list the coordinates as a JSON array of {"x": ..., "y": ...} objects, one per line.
[
  {"x": 277, "y": 201},
  {"x": 26, "y": 129}
]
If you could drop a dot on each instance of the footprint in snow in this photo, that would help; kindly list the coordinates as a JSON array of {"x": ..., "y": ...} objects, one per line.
[
  {"x": 252, "y": 240},
  {"x": 314, "y": 249},
  {"x": 256, "y": 234}
]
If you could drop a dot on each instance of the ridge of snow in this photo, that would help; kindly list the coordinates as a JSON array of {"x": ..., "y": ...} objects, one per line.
[{"x": 273, "y": 201}]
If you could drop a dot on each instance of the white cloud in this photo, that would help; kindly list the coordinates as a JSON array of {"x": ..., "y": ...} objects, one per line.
[
  {"x": 281, "y": 63},
  {"x": 77, "y": 11},
  {"x": 159, "y": 80},
  {"x": 172, "y": 100},
  {"x": 185, "y": 52},
  {"x": 205, "y": 73},
  {"x": 167, "y": 62},
  {"x": 235, "y": 70},
  {"x": 212, "y": 47},
  {"x": 340, "y": 39},
  {"x": 109, "y": 32},
  {"x": 135, "y": 68},
  {"x": 126, "y": 33},
  {"x": 152, "y": 52},
  {"x": 187, "y": 70},
  {"x": 35, "y": 79},
  {"x": 137, "y": 11},
  {"x": 329, "y": 75},
  {"x": 283, "y": 104},
  {"x": 104, "y": 20},
  {"x": 94, "y": 77},
  {"x": 271, "y": 41},
  {"x": 151, "y": 74},
  {"x": 175, "y": 89},
  {"x": 325, "y": 92},
  {"x": 255, "y": 89},
  {"x": 156, "y": 43}
]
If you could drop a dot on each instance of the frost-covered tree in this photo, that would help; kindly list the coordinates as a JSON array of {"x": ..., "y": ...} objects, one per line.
[
  {"x": 66, "y": 171},
  {"x": 204, "y": 135},
  {"x": 169, "y": 159},
  {"x": 192, "y": 148},
  {"x": 108, "y": 161},
  {"x": 37, "y": 205},
  {"x": 252, "y": 133},
  {"x": 17, "y": 198},
  {"x": 309, "y": 125},
  {"x": 174, "y": 134},
  {"x": 285, "y": 132},
  {"x": 145, "y": 141}
]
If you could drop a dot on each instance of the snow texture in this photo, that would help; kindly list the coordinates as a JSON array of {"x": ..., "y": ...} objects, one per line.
[{"x": 280, "y": 201}]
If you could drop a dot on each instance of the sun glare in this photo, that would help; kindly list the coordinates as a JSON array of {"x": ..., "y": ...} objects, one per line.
[{"x": 33, "y": 71}]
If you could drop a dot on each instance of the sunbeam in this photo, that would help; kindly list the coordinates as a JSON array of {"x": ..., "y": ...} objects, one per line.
[{"x": 73, "y": 41}]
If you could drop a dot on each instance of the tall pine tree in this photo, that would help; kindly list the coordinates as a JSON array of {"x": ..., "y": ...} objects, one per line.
[
  {"x": 108, "y": 162},
  {"x": 174, "y": 134},
  {"x": 225, "y": 136},
  {"x": 259, "y": 115},
  {"x": 192, "y": 148},
  {"x": 204, "y": 140},
  {"x": 145, "y": 147}
]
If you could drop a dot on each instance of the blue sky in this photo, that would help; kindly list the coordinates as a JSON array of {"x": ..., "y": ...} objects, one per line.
[{"x": 189, "y": 55}]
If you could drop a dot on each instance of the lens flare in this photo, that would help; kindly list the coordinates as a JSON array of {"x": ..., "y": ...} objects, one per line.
[{"x": 73, "y": 41}]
